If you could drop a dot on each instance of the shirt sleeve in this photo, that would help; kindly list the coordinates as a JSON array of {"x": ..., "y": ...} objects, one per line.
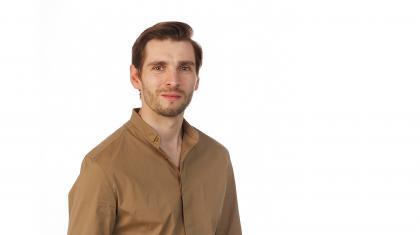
[
  {"x": 92, "y": 202},
  {"x": 229, "y": 223}
]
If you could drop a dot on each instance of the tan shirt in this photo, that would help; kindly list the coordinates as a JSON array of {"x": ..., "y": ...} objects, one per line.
[{"x": 128, "y": 186}]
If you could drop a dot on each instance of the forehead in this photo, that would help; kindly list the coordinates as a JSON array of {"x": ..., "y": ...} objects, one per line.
[{"x": 169, "y": 50}]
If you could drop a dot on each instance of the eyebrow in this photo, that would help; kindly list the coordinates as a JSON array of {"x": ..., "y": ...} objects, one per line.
[
  {"x": 161, "y": 62},
  {"x": 187, "y": 62},
  {"x": 153, "y": 63}
]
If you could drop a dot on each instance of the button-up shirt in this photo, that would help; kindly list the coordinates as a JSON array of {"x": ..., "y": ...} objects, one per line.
[{"x": 128, "y": 186}]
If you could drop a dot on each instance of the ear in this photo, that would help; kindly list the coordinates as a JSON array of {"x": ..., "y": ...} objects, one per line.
[
  {"x": 135, "y": 77},
  {"x": 196, "y": 84}
]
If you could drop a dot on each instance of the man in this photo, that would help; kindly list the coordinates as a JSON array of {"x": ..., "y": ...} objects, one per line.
[{"x": 157, "y": 174}]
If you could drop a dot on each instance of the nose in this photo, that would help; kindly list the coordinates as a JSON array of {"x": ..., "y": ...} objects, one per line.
[{"x": 172, "y": 78}]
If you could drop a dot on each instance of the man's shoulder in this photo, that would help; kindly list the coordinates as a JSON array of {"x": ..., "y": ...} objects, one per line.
[
  {"x": 107, "y": 150},
  {"x": 208, "y": 143}
]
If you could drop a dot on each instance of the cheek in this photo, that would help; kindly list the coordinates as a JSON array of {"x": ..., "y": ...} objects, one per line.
[
  {"x": 151, "y": 83},
  {"x": 191, "y": 81}
]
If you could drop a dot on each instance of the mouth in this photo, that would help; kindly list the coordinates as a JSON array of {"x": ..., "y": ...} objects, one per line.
[{"x": 171, "y": 96}]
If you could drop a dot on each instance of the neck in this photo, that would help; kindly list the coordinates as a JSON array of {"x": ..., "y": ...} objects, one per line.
[{"x": 168, "y": 128}]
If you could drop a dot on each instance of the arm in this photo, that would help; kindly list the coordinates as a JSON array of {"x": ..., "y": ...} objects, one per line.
[
  {"x": 92, "y": 202},
  {"x": 229, "y": 223}
]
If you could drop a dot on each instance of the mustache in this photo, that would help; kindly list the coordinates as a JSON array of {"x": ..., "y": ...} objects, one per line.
[{"x": 177, "y": 90}]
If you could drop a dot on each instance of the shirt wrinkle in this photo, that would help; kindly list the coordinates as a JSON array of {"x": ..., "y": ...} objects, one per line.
[{"x": 107, "y": 180}]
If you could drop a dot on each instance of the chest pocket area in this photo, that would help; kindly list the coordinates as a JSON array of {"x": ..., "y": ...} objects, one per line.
[{"x": 149, "y": 204}]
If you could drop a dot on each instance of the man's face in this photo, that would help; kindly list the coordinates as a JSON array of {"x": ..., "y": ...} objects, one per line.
[{"x": 168, "y": 78}]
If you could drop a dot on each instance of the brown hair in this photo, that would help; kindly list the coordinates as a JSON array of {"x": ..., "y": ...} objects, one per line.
[{"x": 177, "y": 31}]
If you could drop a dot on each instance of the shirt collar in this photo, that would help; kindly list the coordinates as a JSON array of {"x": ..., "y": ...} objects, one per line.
[{"x": 142, "y": 129}]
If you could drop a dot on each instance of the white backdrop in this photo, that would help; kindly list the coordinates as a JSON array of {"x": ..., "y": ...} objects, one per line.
[{"x": 317, "y": 101}]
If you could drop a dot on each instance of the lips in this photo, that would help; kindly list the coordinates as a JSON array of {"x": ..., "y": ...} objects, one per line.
[{"x": 171, "y": 96}]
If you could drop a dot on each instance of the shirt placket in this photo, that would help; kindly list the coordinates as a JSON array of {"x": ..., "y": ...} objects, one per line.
[
  {"x": 178, "y": 172},
  {"x": 156, "y": 143}
]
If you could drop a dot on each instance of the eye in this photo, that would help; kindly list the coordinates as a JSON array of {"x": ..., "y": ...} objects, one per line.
[
  {"x": 185, "y": 68},
  {"x": 157, "y": 68}
]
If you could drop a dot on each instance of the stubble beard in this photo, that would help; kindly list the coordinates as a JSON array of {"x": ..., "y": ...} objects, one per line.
[{"x": 153, "y": 101}]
